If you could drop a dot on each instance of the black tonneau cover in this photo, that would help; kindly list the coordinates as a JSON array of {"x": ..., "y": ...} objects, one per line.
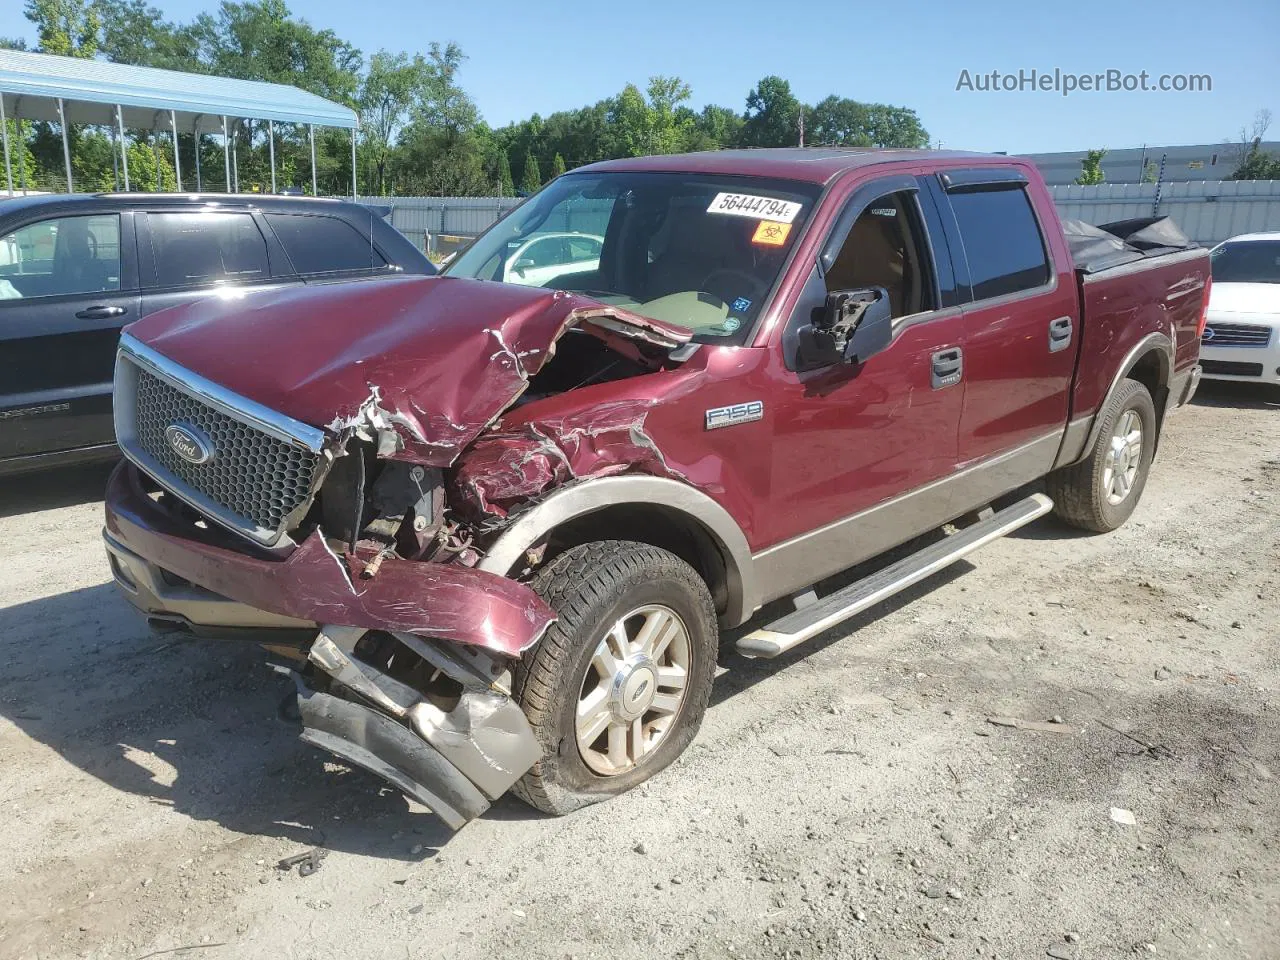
[{"x": 1100, "y": 248}]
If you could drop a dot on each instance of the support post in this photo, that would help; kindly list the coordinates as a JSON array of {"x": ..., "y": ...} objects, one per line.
[
  {"x": 353, "y": 164},
  {"x": 226, "y": 154},
  {"x": 195, "y": 139},
  {"x": 115, "y": 159},
  {"x": 271, "y": 147},
  {"x": 4, "y": 130},
  {"x": 311, "y": 134},
  {"x": 177, "y": 162},
  {"x": 235, "y": 162},
  {"x": 66, "y": 147},
  {"x": 124, "y": 147}
]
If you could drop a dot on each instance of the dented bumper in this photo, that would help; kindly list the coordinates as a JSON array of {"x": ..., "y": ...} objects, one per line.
[
  {"x": 453, "y": 757},
  {"x": 312, "y": 585}
]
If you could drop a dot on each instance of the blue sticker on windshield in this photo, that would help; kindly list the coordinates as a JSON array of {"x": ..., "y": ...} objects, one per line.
[
  {"x": 730, "y": 324},
  {"x": 742, "y": 304}
]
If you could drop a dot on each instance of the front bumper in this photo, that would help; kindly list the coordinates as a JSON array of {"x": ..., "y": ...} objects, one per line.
[
  {"x": 204, "y": 576},
  {"x": 453, "y": 750},
  {"x": 1242, "y": 364}
]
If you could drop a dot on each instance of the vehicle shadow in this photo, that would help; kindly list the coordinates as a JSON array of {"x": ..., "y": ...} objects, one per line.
[
  {"x": 742, "y": 673},
  {"x": 49, "y": 489},
  {"x": 190, "y": 724},
  {"x": 1234, "y": 393}
]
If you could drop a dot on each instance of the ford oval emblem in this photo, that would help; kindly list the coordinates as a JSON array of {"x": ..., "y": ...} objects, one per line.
[
  {"x": 189, "y": 443},
  {"x": 1207, "y": 335}
]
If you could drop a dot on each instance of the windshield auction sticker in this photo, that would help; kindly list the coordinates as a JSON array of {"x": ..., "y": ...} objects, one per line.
[{"x": 757, "y": 208}]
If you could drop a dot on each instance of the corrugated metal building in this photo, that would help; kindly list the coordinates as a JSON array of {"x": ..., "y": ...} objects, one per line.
[{"x": 1205, "y": 161}]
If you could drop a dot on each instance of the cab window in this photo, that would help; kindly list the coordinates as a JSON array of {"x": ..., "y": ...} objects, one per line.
[{"x": 883, "y": 250}]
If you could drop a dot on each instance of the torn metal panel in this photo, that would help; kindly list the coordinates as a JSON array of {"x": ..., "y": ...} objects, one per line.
[
  {"x": 511, "y": 466},
  {"x": 420, "y": 365},
  {"x": 448, "y": 601}
]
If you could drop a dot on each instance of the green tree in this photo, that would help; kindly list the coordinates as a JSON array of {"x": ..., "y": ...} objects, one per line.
[
  {"x": 1251, "y": 162},
  {"x": 1091, "y": 169},
  {"x": 12, "y": 43},
  {"x": 716, "y": 127},
  {"x": 68, "y": 28},
  {"x": 773, "y": 115},
  {"x": 668, "y": 127},
  {"x": 1150, "y": 172},
  {"x": 839, "y": 120},
  {"x": 506, "y": 186},
  {"x": 135, "y": 32},
  {"x": 392, "y": 86},
  {"x": 1258, "y": 165},
  {"x": 557, "y": 166},
  {"x": 531, "y": 179}
]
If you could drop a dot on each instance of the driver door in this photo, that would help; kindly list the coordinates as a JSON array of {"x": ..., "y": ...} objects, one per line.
[{"x": 858, "y": 449}]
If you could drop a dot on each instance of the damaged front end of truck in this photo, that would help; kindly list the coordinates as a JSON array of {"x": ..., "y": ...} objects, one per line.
[{"x": 329, "y": 485}]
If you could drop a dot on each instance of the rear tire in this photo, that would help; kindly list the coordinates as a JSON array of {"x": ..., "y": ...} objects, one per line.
[
  {"x": 1101, "y": 491},
  {"x": 618, "y": 686}
]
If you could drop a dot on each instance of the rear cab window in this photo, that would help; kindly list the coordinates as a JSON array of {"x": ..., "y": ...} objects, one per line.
[
  {"x": 318, "y": 245},
  {"x": 1003, "y": 245},
  {"x": 204, "y": 248}
]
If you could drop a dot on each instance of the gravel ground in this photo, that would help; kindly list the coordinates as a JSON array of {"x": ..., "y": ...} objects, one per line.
[{"x": 852, "y": 800}]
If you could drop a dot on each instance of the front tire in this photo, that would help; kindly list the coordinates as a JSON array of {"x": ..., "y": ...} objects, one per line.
[
  {"x": 618, "y": 686},
  {"x": 1101, "y": 491}
]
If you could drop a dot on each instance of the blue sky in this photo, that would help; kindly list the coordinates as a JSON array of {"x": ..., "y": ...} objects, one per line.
[{"x": 528, "y": 57}]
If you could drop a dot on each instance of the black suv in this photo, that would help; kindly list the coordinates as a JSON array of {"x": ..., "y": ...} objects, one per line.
[{"x": 74, "y": 269}]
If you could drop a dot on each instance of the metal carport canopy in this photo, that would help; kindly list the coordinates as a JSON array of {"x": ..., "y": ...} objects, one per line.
[
  {"x": 32, "y": 83},
  {"x": 70, "y": 90}
]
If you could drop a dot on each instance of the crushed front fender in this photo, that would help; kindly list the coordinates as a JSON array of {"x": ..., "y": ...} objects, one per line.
[{"x": 313, "y": 583}]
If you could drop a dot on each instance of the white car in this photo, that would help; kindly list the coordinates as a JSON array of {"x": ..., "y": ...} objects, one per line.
[
  {"x": 544, "y": 257},
  {"x": 1242, "y": 337}
]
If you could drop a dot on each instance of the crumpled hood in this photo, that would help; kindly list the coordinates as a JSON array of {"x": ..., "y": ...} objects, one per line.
[{"x": 434, "y": 359}]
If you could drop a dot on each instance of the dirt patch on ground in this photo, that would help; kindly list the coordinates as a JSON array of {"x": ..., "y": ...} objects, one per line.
[{"x": 851, "y": 800}]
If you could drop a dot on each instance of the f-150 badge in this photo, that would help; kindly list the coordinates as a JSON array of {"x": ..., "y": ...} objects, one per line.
[{"x": 731, "y": 416}]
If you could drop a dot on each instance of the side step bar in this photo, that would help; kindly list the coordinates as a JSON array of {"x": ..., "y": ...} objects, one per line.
[{"x": 796, "y": 627}]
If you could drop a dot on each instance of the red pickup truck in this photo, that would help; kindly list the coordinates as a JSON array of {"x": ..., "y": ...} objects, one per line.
[{"x": 495, "y": 529}]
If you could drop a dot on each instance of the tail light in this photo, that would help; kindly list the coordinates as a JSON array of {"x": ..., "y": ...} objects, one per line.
[{"x": 1204, "y": 307}]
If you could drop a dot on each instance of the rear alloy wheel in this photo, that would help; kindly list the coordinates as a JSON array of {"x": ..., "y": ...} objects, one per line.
[
  {"x": 617, "y": 687},
  {"x": 1100, "y": 491}
]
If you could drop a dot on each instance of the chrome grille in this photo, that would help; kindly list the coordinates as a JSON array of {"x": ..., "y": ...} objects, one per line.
[
  {"x": 238, "y": 463},
  {"x": 1236, "y": 335}
]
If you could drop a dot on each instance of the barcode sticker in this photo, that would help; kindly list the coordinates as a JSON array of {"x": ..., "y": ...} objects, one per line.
[{"x": 757, "y": 208}]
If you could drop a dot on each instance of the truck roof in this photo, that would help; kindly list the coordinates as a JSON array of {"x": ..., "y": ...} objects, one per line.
[{"x": 810, "y": 164}]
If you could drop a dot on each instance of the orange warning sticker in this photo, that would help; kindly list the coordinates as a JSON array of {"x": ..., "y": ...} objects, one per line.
[{"x": 771, "y": 233}]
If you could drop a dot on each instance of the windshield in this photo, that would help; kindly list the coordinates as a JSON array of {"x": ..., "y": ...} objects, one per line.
[
  {"x": 1250, "y": 261},
  {"x": 701, "y": 252}
]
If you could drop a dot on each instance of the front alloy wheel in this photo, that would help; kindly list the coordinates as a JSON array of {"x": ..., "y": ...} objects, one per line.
[
  {"x": 633, "y": 689},
  {"x": 617, "y": 687}
]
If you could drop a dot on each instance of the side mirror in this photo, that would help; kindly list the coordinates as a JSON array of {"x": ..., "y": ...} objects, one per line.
[
  {"x": 851, "y": 327},
  {"x": 522, "y": 265}
]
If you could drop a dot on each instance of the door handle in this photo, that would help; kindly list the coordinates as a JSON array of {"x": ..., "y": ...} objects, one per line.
[
  {"x": 1059, "y": 334},
  {"x": 947, "y": 367},
  {"x": 101, "y": 312}
]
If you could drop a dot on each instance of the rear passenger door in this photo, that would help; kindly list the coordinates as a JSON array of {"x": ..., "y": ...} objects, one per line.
[
  {"x": 189, "y": 254},
  {"x": 321, "y": 247},
  {"x": 1020, "y": 319},
  {"x": 67, "y": 285}
]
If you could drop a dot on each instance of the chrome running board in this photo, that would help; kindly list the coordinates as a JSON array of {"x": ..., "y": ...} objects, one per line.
[{"x": 796, "y": 627}]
